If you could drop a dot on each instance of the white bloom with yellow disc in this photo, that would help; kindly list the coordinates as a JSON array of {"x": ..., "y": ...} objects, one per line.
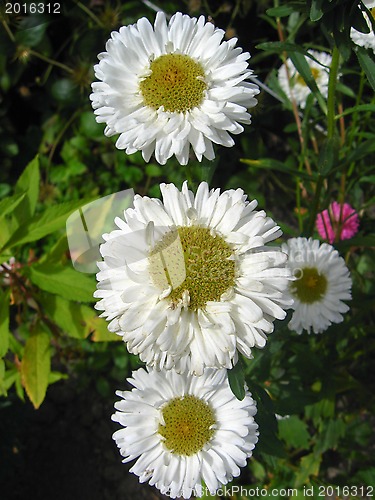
[
  {"x": 183, "y": 429},
  {"x": 188, "y": 282},
  {"x": 294, "y": 85},
  {"x": 168, "y": 87},
  {"x": 323, "y": 282}
]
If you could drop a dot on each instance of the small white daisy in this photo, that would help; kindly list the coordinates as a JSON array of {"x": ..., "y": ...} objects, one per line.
[
  {"x": 189, "y": 281},
  {"x": 366, "y": 40},
  {"x": 293, "y": 84},
  {"x": 183, "y": 429},
  {"x": 323, "y": 282},
  {"x": 167, "y": 87}
]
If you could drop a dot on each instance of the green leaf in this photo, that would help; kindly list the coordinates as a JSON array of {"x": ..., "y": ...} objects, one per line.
[
  {"x": 236, "y": 379},
  {"x": 28, "y": 183},
  {"x": 330, "y": 435},
  {"x": 56, "y": 376},
  {"x": 309, "y": 466},
  {"x": 63, "y": 280},
  {"x": 3, "y": 389},
  {"x": 367, "y": 63},
  {"x": 5, "y": 230},
  {"x": 281, "y": 11},
  {"x": 100, "y": 332},
  {"x": 272, "y": 164},
  {"x": 328, "y": 155},
  {"x": 31, "y": 30},
  {"x": 357, "y": 241},
  {"x": 9, "y": 203},
  {"x": 71, "y": 317},
  {"x": 52, "y": 219},
  {"x": 268, "y": 440},
  {"x": 36, "y": 365},
  {"x": 360, "y": 151},
  {"x": 294, "y": 432},
  {"x": 4, "y": 323},
  {"x": 324, "y": 408},
  {"x": 57, "y": 253},
  {"x": 303, "y": 68},
  {"x": 279, "y": 47},
  {"x": 355, "y": 109},
  {"x": 316, "y": 11}
]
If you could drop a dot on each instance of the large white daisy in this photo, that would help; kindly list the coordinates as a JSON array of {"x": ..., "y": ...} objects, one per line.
[
  {"x": 167, "y": 87},
  {"x": 189, "y": 281},
  {"x": 183, "y": 429},
  {"x": 293, "y": 84},
  {"x": 323, "y": 282},
  {"x": 366, "y": 40}
]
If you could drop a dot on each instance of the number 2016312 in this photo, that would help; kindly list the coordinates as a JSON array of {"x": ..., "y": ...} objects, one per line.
[{"x": 32, "y": 8}]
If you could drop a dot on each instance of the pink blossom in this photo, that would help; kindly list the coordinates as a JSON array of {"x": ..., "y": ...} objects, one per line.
[{"x": 338, "y": 219}]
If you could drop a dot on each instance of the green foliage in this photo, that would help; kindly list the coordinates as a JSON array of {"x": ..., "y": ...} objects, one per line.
[
  {"x": 314, "y": 393},
  {"x": 36, "y": 364}
]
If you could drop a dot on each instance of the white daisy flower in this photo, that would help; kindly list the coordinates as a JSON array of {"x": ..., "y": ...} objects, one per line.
[
  {"x": 293, "y": 84},
  {"x": 184, "y": 429},
  {"x": 189, "y": 281},
  {"x": 167, "y": 87},
  {"x": 366, "y": 40},
  {"x": 323, "y": 282}
]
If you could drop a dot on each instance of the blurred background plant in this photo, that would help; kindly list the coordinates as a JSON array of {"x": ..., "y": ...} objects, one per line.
[{"x": 315, "y": 393}]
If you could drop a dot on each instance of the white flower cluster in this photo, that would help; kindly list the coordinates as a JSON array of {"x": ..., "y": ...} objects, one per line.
[{"x": 189, "y": 282}]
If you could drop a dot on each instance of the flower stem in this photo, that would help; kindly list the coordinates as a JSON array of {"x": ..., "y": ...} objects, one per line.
[
  {"x": 331, "y": 128},
  {"x": 50, "y": 61}
]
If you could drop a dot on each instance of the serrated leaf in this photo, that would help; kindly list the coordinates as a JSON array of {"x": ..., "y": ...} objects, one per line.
[
  {"x": 52, "y": 219},
  {"x": 28, "y": 183},
  {"x": 236, "y": 379},
  {"x": 368, "y": 64},
  {"x": 309, "y": 466},
  {"x": 4, "y": 323},
  {"x": 71, "y": 317},
  {"x": 63, "y": 280},
  {"x": 294, "y": 432},
  {"x": 36, "y": 365},
  {"x": 330, "y": 435}
]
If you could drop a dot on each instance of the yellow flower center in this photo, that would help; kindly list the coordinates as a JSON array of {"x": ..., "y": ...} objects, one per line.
[
  {"x": 188, "y": 425},
  {"x": 315, "y": 73},
  {"x": 310, "y": 286},
  {"x": 192, "y": 260},
  {"x": 176, "y": 82}
]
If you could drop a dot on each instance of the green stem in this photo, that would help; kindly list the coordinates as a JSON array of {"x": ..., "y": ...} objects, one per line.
[
  {"x": 90, "y": 14},
  {"x": 315, "y": 208},
  {"x": 331, "y": 129},
  {"x": 50, "y": 61},
  {"x": 333, "y": 73}
]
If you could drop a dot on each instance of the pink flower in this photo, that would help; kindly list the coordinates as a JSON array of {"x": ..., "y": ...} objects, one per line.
[{"x": 338, "y": 219}]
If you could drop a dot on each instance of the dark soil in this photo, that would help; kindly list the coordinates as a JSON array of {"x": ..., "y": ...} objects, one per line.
[{"x": 64, "y": 450}]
